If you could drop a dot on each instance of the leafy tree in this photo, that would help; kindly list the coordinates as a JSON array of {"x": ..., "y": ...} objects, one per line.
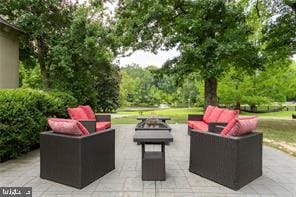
[
  {"x": 136, "y": 85},
  {"x": 271, "y": 84},
  {"x": 148, "y": 86},
  {"x": 30, "y": 77},
  {"x": 82, "y": 61},
  {"x": 72, "y": 44},
  {"x": 43, "y": 23},
  {"x": 188, "y": 92},
  {"x": 275, "y": 24},
  {"x": 212, "y": 36},
  {"x": 108, "y": 91}
]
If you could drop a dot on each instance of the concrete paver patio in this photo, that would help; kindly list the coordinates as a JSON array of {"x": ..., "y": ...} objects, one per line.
[{"x": 279, "y": 173}]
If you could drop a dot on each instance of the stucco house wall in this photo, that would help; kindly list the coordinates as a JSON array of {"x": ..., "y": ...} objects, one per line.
[{"x": 9, "y": 56}]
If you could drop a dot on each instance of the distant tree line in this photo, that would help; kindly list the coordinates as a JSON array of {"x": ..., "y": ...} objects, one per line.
[{"x": 148, "y": 87}]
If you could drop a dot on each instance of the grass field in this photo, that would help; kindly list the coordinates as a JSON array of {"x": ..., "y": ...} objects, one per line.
[
  {"x": 279, "y": 130},
  {"x": 179, "y": 115},
  {"x": 280, "y": 134}
]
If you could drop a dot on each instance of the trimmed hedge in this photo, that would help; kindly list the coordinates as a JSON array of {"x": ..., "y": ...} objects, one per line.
[{"x": 23, "y": 115}]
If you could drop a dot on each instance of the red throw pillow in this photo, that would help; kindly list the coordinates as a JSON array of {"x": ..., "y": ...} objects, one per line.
[
  {"x": 208, "y": 113},
  {"x": 227, "y": 115},
  {"x": 77, "y": 113},
  {"x": 89, "y": 112},
  {"x": 215, "y": 114},
  {"x": 243, "y": 126},
  {"x": 228, "y": 127},
  {"x": 67, "y": 126}
]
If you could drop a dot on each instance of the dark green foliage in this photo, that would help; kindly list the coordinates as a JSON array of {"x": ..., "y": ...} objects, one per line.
[
  {"x": 59, "y": 102},
  {"x": 73, "y": 46},
  {"x": 23, "y": 115},
  {"x": 82, "y": 62},
  {"x": 108, "y": 92},
  {"x": 43, "y": 23}
]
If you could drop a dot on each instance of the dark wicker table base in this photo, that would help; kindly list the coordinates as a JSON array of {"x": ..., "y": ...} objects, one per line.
[{"x": 153, "y": 163}]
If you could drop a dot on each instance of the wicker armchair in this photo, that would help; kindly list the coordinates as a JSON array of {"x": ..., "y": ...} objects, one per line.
[
  {"x": 76, "y": 160},
  {"x": 229, "y": 161}
]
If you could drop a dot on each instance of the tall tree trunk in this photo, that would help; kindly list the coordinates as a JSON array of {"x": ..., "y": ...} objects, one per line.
[
  {"x": 211, "y": 98},
  {"x": 253, "y": 108},
  {"x": 41, "y": 60},
  {"x": 237, "y": 105}
]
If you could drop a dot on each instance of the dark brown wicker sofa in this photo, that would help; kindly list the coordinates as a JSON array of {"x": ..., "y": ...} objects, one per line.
[
  {"x": 212, "y": 117},
  {"x": 229, "y": 161},
  {"x": 76, "y": 160}
]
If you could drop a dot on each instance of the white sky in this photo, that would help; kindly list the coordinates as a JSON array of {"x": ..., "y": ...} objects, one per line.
[{"x": 144, "y": 59}]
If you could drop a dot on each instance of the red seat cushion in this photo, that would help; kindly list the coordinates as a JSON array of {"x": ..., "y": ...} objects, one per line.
[
  {"x": 102, "y": 125},
  {"x": 198, "y": 125},
  {"x": 208, "y": 113},
  {"x": 67, "y": 126},
  {"x": 227, "y": 115},
  {"x": 88, "y": 111},
  {"x": 215, "y": 114},
  {"x": 242, "y": 126},
  {"x": 77, "y": 113}
]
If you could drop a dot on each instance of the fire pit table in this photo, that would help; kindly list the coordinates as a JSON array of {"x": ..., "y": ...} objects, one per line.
[
  {"x": 153, "y": 123},
  {"x": 153, "y": 163}
]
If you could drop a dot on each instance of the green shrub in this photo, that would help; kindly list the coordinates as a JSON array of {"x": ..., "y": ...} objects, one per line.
[
  {"x": 60, "y": 102},
  {"x": 23, "y": 115}
]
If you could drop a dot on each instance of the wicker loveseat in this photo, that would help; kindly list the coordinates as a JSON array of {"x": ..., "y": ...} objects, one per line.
[
  {"x": 227, "y": 160},
  {"x": 212, "y": 117},
  {"x": 76, "y": 160}
]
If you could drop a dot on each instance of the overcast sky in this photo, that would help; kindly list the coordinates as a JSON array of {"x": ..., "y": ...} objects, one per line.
[{"x": 145, "y": 59}]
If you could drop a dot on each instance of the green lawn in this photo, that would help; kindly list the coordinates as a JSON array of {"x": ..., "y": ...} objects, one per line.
[
  {"x": 179, "y": 115},
  {"x": 279, "y": 133},
  {"x": 283, "y": 114}
]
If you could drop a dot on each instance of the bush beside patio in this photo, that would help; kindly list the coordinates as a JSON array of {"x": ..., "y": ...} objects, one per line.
[{"x": 24, "y": 115}]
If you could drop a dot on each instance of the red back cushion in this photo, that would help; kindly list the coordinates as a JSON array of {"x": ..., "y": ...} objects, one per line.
[
  {"x": 215, "y": 114},
  {"x": 243, "y": 126},
  {"x": 89, "y": 112},
  {"x": 227, "y": 115},
  {"x": 67, "y": 126},
  {"x": 208, "y": 113},
  {"x": 77, "y": 113}
]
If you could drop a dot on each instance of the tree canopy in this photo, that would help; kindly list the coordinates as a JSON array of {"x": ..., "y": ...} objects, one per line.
[
  {"x": 72, "y": 45},
  {"x": 212, "y": 36}
]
